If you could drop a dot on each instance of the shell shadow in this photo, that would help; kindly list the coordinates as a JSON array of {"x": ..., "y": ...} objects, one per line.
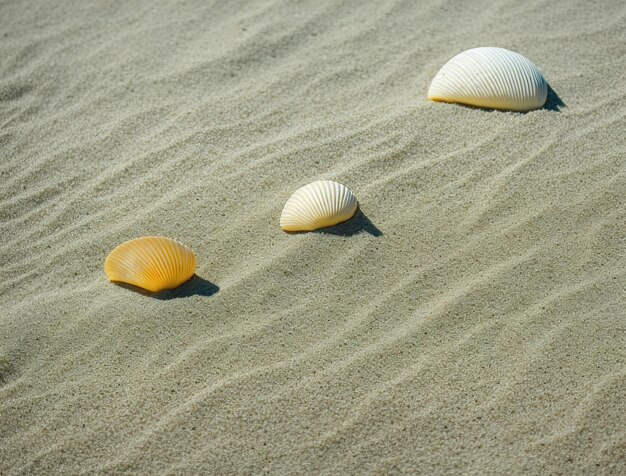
[
  {"x": 553, "y": 102},
  {"x": 359, "y": 223},
  {"x": 196, "y": 286}
]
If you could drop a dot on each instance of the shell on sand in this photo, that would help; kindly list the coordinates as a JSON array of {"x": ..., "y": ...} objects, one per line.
[
  {"x": 490, "y": 77},
  {"x": 318, "y": 205},
  {"x": 154, "y": 263}
]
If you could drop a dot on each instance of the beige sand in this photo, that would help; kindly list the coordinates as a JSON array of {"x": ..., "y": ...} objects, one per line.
[{"x": 471, "y": 320}]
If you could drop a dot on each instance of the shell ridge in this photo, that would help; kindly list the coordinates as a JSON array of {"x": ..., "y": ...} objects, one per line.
[
  {"x": 299, "y": 208},
  {"x": 345, "y": 198},
  {"x": 535, "y": 83},
  {"x": 157, "y": 270},
  {"x": 326, "y": 196},
  {"x": 480, "y": 87},
  {"x": 309, "y": 212},
  {"x": 133, "y": 263},
  {"x": 125, "y": 265},
  {"x": 466, "y": 85},
  {"x": 505, "y": 75},
  {"x": 341, "y": 200},
  {"x": 515, "y": 70},
  {"x": 531, "y": 85},
  {"x": 181, "y": 254},
  {"x": 178, "y": 261},
  {"x": 171, "y": 260},
  {"x": 501, "y": 84},
  {"x": 331, "y": 199},
  {"x": 504, "y": 68},
  {"x": 316, "y": 201},
  {"x": 324, "y": 192}
]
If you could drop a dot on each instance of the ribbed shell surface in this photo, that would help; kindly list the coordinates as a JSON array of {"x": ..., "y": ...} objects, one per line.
[
  {"x": 318, "y": 205},
  {"x": 154, "y": 263},
  {"x": 490, "y": 77}
]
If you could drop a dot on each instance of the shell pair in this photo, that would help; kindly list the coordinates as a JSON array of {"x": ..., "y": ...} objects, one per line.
[
  {"x": 493, "y": 78},
  {"x": 156, "y": 263}
]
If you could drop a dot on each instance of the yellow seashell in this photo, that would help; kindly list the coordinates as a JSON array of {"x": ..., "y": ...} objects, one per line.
[
  {"x": 154, "y": 263},
  {"x": 318, "y": 205}
]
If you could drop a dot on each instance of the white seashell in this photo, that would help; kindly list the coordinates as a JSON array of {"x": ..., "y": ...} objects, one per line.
[
  {"x": 318, "y": 205},
  {"x": 490, "y": 77}
]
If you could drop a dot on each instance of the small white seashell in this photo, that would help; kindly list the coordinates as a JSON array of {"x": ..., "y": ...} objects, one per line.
[
  {"x": 490, "y": 77},
  {"x": 318, "y": 205}
]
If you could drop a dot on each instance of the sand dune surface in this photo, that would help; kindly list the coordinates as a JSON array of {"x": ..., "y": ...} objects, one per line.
[{"x": 470, "y": 319}]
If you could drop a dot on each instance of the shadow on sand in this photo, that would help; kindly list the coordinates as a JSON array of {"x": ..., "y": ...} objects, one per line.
[
  {"x": 359, "y": 223},
  {"x": 553, "y": 102},
  {"x": 196, "y": 286}
]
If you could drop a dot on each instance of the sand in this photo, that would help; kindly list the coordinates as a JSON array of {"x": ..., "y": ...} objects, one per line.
[{"x": 470, "y": 320}]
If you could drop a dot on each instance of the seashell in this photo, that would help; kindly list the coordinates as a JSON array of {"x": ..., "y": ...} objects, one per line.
[
  {"x": 318, "y": 205},
  {"x": 154, "y": 263},
  {"x": 490, "y": 77}
]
